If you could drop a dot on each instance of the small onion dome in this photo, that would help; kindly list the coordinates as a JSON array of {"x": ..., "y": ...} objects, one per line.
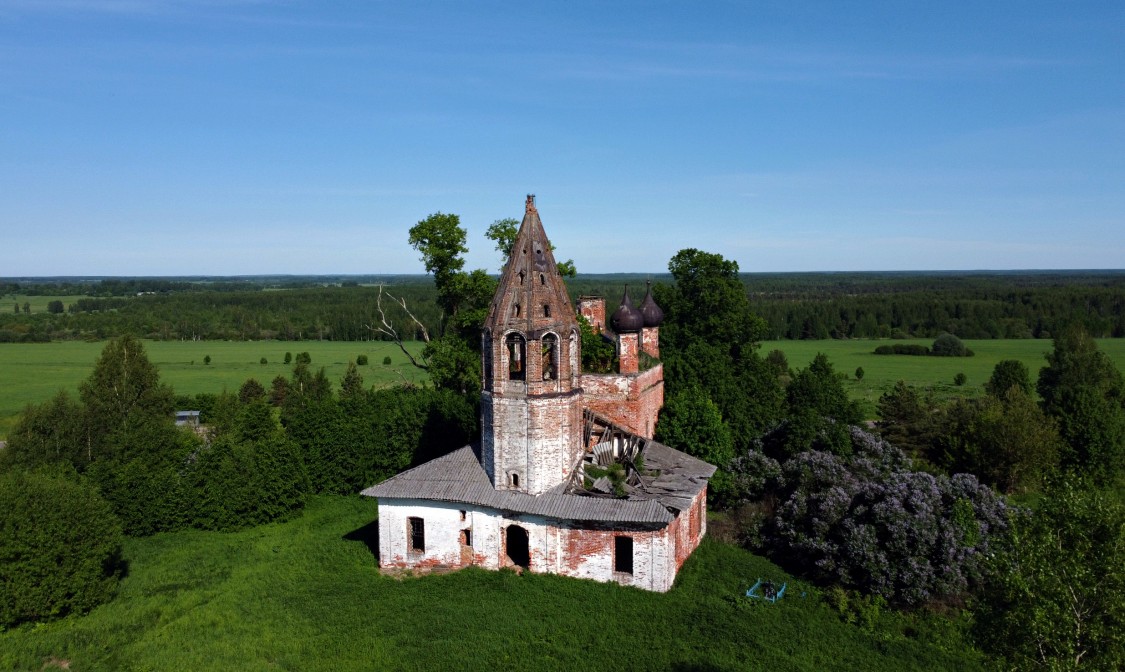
[
  {"x": 650, "y": 311},
  {"x": 626, "y": 318}
]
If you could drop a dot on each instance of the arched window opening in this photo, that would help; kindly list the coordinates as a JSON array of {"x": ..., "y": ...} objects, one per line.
[
  {"x": 517, "y": 352},
  {"x": 546, "y": 310},
  {"x": 521, "y": 277},
  {"x": 487, "y": 354},
  {"x": 514, "y": 478},
  {"x": 517, "y": 546},
  {"x": 573, "y": 355},
  {"x": 550, "y": 356},
  {"x": 515, "y": 310},
  {"x": 542, "y": 279}
]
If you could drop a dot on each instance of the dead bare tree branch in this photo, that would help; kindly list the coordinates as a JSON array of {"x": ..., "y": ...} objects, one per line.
[{"x": 386, "y": 329}]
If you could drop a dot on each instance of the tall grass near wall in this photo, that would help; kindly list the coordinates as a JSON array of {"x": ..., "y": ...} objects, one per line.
[{"x": 306, "y": 595}]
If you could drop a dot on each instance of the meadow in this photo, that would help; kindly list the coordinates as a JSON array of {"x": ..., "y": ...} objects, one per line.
[
  {"x": 881, "y": 372},
  {"x": 306, "y": 595},
  {"x": 34, "y": 372}
]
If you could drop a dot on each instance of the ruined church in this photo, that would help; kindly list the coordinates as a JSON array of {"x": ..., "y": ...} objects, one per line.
[{"x": 566, "y": 478}]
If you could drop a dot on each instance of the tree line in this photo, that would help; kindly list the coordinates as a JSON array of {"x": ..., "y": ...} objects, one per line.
[{"x": 793, "y": 306}]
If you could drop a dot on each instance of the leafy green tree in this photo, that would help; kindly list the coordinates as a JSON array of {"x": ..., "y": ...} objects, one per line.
[
  {"x": 960, "y": 379},
  {"x": 453, "y": 358},
  {"x": 249, "y": 475},
  {"x": 859, "y": 372},
  {"x": 441, "y": 241},
  {"x": 251, "y": 390},
  {"x": 122, "y": 394},
  {"x": 778, "y": 362},
  {"x": 60, "y": 547},
  {"x": 279, "y": 390},
  {"x": 55, "y": 307},
  {"x": 361, "y": 360},
  {"x": 819, "y": 410},
  {"x": 1083, "y": 390},
  {"x": 288, "y": 358},
  {"x": 26, "y": 308},
  {"x": 906, "y": 419},
  {"x": 708, "y": 341},
  {"x": 1006, "y": 374},
  {"x": 1057, "y": 597},
  {"x": 691, "y": 422},
  {"x": 1014, "y": 445},
  {"x": 49, "y": 433},
  {"x": 351, "y": 385}
]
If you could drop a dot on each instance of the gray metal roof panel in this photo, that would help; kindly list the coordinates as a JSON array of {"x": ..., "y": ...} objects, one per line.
[{"x": 458, "y": 477}]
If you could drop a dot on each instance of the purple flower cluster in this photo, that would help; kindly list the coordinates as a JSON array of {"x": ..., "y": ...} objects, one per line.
[{"x": 866, "y": 521}]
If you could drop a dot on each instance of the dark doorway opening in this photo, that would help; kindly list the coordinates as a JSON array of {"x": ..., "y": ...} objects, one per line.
[{"x": 516, "y": 544}]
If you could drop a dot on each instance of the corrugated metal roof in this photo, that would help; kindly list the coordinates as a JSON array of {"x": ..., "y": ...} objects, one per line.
[{"x": 459, "y": 477}]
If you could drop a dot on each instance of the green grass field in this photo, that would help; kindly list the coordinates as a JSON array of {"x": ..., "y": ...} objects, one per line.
[
  {"x": 306, "y": 595},
  {"x": 881, "y": 372},
  {"x": 37, "y": 304},
  {"x": 34, "y": 372}
]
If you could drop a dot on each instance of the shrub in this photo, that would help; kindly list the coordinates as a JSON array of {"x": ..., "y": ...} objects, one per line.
[
  {"x": 288, "y": 358},
  {"x": 249, "y": 475},
  {"x": 778, "y": 362},
  {"x": 859, "y": 373},
  {"x": 948, "y": 345},
  {"x": 1006, "y": 374},
  {"x": 59, "y": 545},
  {"x": 263, "y": 361},
  {"x": 361, "y": 360},
  {"x": 387, "y": 360},
  {"x": 960, "y": 379},
  {"x": 866, "y": 521},
  {"x": 902, "y": 349},
  {"x": 304, "y": 358},
  {"x": 207, "y": 359},
  {"x": 251, "y": 390}
]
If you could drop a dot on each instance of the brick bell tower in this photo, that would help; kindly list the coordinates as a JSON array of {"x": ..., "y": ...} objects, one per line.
[{"x": 531, "y": 404}]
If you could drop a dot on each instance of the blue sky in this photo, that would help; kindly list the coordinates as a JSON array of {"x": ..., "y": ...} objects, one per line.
[{"x": 212, "y": 137}]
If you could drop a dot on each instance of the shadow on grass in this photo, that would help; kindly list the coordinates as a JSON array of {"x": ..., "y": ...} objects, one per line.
[{"x": 369, "y": 535}]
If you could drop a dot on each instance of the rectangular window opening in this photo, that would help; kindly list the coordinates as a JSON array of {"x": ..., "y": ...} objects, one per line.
[
  {"x": 417, "y": 535},
  {"x": 623, "y": 555},
  {"x": 466, "y": 537}
]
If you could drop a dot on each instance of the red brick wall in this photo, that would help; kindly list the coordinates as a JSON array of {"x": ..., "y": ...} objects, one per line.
[
  {"x": 593, "y": 309},
  {"x": 631, "y": 401}
]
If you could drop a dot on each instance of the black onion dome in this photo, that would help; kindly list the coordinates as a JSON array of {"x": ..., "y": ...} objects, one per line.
[
  {"x": 626, "y": 318},
  {"x": 651, "y": 312}
]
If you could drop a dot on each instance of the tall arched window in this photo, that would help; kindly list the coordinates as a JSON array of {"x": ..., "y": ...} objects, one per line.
[
  {"x": 517, "y": 354},
  {"x": 486, "y": 351},
  {"x": 550, "y": 355},
  {"x": 573, "y": 358}
]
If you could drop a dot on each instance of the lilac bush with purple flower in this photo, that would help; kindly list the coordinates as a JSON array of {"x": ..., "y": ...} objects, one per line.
[{"x": 866, "y": 521}]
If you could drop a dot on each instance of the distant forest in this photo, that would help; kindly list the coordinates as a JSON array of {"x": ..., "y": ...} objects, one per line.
[{"x": 793, "y": 305}]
